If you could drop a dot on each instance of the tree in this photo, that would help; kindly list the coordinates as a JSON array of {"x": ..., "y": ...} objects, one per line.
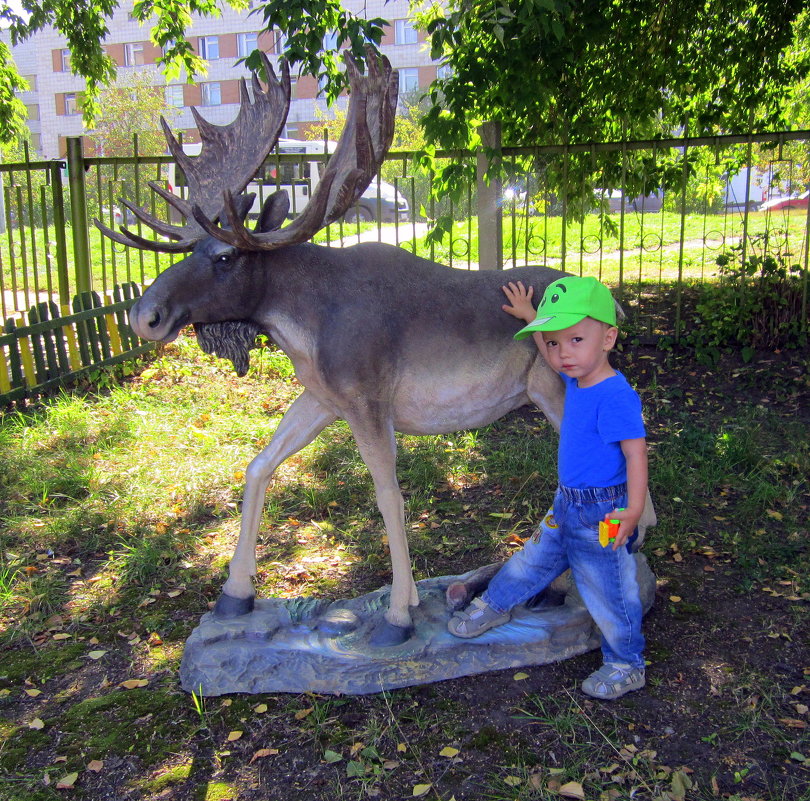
[
  {"x": 579, "y": 71},
  {"x": 133, "y": 106},
  {"x": 84, "y": 25}
]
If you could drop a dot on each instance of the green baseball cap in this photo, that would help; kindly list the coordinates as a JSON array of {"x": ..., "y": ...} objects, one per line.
[{"x": 570, "y": 300}]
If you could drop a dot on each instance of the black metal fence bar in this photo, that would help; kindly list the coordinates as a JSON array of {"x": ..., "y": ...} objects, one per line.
[{"x": 589, "y": 208}]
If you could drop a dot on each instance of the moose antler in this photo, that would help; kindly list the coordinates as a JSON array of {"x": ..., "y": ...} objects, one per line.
[
  {"x": 357, "y": 158},
  {"x": 229, "y": 158}
]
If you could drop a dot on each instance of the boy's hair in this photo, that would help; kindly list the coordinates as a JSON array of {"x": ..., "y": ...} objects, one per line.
[{"x": 570, "y": 300}]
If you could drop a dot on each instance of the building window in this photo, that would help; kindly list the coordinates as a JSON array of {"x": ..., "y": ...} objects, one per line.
[
  {"x": 443, "y": 71},
  {"x": 404, "y": 32},
  {"x": 133, "y": 54},
  {"x": 281, "y": 43},
  {"x": 408, "y": 80},
  {"x": 31, "y": 80},
  {"x": 71, "y": 103},
  {"x": 66, "y": 60},
  {"x": 209, "y": 47},
  {"x": 174, "y": 96},
  {"x": 33, "y": 111},
  {"x": 211, "y": 94},
  {"x": 330, "y": 41},
  {"x": 246, "y": 43}
]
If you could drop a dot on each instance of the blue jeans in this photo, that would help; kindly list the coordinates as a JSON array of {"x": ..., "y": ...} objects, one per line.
[{"x": 606, "y": 579}]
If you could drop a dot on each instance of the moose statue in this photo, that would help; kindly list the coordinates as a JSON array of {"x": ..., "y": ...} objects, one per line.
[{"x": 379, "y": 337}]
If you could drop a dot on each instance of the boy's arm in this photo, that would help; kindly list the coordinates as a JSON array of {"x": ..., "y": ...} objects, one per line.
[
  {"x": 635, "y": 452},
  {"x": 520, "y": 306}
]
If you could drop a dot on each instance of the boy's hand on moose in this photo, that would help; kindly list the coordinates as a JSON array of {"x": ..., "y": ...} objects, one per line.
[
  {"x": 520, "y": 301},
  {"x": 628, "y": 520}
]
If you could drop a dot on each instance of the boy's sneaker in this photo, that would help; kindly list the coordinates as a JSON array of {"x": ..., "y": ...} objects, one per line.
[
  {"x": 613, "y": 680},
  {"x": 477, "y": 618}
]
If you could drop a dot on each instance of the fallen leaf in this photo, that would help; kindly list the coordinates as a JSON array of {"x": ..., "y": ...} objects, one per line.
[
  {"x": 302, "y": 713},
  {"x": 67, "y": 781},
  {"x": 331, "y": 757},
  {"x": 154, "y": 640},
  {"x": 96, "y": 654},
  {"x": 96, "y": 765},
  {"x": 680, "y": 783},
  {"x": 260, "y": 709},
  {"x": 448, "y": 751},
  {"x": 36, "y": 723},
  {"x": 774, "y": 514},
  {"x": 421, "y": 789},
  {"x": 263, "y": 752},
  {"x": 33, "y": 693},
  {"x": 401, "y": 748},
  {"x": 234, "y": 735},
  {"x": 572, "y": 790},
  {"x": 62, "y": 636},
  {"x": 520, "y": 676},
  {"x": 675, "y": 599},
  {"x": 793, "y": 723},
  {"x": 131, "y": 684},
  {"x": 513, "y": 781}
]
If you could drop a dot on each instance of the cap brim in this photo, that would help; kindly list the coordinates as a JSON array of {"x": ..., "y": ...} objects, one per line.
[{"x": 554, "y": 322}]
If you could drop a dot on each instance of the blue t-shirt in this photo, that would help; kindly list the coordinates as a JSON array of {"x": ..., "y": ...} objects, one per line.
[{"x": 595, "y": 420}]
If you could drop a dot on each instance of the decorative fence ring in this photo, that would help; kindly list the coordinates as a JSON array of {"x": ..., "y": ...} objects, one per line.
[
  {"x": 585, "y": 244},
  {"x": 714, "y": 240},
  {"x": 119, "y": 247},
  {"x": 651, "y": 242},
  {"x": 456, "y": 253},
  {"x": 535, "y": 250},
  {"x": 16, "y": 250}
]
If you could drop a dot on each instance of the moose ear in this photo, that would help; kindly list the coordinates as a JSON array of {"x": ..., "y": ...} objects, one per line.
[
  {"x": 241, "y": 204},
  {"x": 274, "y": 212}
]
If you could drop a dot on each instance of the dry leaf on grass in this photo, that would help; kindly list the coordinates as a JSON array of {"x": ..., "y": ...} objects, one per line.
[
  {"x": 263, "y": 752},
  {"x": 67, "y": 781}
]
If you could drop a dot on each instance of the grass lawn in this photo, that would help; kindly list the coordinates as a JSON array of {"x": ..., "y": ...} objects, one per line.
[{"x": 120, "y": 508}]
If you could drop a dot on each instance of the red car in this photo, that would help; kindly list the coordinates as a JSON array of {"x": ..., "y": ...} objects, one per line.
[{"x": 778, "y": 203}]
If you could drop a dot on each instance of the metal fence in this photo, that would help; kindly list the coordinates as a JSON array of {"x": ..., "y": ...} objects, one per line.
[{"x": 648, "y": 218}]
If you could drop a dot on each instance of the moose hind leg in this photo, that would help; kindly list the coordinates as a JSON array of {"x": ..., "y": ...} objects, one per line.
[{"x": 302, "y": 422}]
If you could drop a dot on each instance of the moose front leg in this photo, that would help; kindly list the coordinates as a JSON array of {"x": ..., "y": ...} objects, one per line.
[
  {"x": 377, "y": 446},
  {"x": 302, "y": 422}
]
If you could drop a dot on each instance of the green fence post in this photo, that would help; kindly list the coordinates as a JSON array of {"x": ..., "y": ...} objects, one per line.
[
  {"x": 78, "y": 205},
  {"x": 58, "y": 198}
]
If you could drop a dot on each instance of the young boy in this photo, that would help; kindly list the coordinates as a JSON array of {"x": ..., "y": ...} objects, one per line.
[{"x": 602, "y": 468}]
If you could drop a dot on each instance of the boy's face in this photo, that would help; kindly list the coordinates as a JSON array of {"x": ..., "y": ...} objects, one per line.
[{"x": 581, "y": 351}]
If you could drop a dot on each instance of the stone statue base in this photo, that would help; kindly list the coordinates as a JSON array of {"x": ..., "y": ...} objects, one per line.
[{"x": 309, "y": 645}]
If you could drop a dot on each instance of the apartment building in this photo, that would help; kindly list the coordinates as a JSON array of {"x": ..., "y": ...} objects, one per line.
[{"x": 54, "y": 95}]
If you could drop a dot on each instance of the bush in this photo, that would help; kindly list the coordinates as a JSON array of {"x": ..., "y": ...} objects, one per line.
[{"x": 757, "y": 304}]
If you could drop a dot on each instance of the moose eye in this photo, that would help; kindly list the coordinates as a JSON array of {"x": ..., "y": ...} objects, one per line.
[{"x": 224, "y": 259}]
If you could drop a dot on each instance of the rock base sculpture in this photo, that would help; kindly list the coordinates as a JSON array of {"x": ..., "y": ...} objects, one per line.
[{"x": 310, "y": 645}]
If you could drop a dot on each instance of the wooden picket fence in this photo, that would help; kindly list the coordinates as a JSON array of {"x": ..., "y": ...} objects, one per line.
[{"x": 56, "y": 345}]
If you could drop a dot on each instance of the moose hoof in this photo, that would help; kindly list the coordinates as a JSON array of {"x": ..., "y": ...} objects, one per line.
[
  {"x": 228, "y": 606},
  {"x": 386, "y": 635}
]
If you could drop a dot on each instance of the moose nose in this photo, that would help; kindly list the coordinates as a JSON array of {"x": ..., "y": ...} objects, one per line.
[{"x": 154, "y": 320}]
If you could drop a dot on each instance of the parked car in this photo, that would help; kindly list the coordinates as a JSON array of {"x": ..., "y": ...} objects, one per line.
[
  {"x": 299, "y": 178},
  {"x": 792, "y": 202},
  {"x": 120, "y": 216},
  {"x": 653, "y": 202}
]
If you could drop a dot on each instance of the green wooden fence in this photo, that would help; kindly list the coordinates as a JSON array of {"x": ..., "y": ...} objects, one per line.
[{"x": 57, "y": 345}]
